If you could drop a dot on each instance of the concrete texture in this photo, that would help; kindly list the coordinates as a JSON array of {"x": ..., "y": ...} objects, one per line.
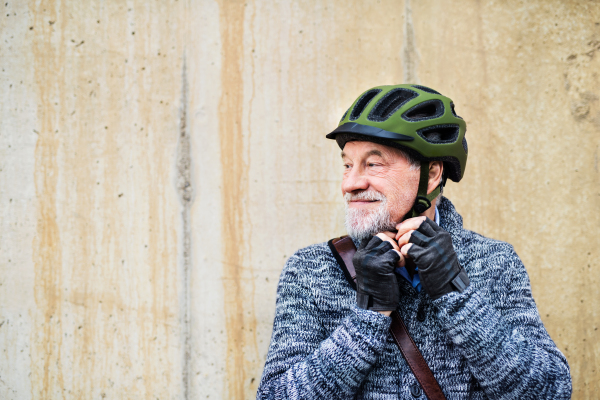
[{"x": 159, "y": 161}]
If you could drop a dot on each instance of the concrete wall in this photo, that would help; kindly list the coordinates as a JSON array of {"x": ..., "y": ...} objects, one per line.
[{"x": 160, "y": 160}]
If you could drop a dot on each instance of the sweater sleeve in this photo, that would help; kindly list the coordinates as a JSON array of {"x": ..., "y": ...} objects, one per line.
[
  {"x": 304, "y": 362},
  {"x": 503, "y": 338}
]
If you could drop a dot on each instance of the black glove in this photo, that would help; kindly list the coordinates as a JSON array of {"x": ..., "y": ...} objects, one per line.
[
  {"x": 377, "y": 287},
  {"x": 438, "y": 264}
]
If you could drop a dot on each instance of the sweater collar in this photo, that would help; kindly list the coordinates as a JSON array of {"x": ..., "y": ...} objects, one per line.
[{"x": 450, "y": 219}]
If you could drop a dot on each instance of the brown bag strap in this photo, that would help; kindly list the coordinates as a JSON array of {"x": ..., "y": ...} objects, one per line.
[{"x": 343, "y": 250}]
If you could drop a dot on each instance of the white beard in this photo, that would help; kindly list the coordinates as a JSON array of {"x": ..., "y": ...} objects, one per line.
[{"x": 361, "y": 224}]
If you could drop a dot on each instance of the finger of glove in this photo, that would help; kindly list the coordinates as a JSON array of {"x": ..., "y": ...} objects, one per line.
[
  {"x": 376, "y": 251},
  {"x": 368, "y": 259},
  {"x": 419, "y": 239},
  {"x": 366, "y": 246},
  {"x": 364, "y": 243},
  {"x": 377, "y": 265},
  {"x": 417, "y": 253},
  {"x": 388, "y": 237},
  {"x": 429, "y": 258},
  {"x": 374, "y": 241},
  {"x": 383, "y": 247},
  {"x": 390, "y": 257},
  {"x": 427, "y": 228}
]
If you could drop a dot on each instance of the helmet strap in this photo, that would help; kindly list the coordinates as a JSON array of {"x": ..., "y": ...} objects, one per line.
[{"x": 423, "y": 200}]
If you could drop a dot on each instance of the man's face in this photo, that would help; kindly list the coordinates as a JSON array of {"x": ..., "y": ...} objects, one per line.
[{"x": 379, "y": 186}]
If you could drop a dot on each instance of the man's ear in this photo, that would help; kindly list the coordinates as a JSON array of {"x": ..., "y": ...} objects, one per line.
[{"x": 436, "y": 169}]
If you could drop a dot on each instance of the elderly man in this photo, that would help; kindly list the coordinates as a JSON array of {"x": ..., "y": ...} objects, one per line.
[{"x": 464, "y": 299}]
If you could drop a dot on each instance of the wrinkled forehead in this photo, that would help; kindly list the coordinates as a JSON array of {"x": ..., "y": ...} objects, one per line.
[{"x": 409, "y": 154}]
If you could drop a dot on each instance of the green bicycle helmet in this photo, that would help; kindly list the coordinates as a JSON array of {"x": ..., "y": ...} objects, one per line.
[{"x": 416, "y": 119}]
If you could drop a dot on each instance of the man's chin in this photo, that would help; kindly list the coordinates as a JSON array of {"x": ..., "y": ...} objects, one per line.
[
  {"x": 360, "y": 235},
  {"x": 363, "y": 223},
  {"x": 363, "y": 229}
]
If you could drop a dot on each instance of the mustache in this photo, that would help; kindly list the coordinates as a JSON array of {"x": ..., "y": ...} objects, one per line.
[{"x": 370, "y": 195}]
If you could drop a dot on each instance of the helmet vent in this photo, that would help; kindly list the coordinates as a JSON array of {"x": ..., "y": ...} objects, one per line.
[
  {"x": 344, "y": 116},
  {"x": 390, "y": 103},
  {"x": 362, "y": 103},
  {"x": 454, "y": 112},
  {"x": 464, "y": 143},
  {"x": 426, "y": 110},
  {"x": 440, "y": 134},
  {"x": 426, "y": 89}
]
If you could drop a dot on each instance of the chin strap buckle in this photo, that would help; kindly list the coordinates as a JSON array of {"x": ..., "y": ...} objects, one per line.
[{"x": 422, "y": 204}]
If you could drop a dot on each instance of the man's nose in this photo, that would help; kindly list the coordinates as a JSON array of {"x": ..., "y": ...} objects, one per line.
[{"x": 354, "y": 181}]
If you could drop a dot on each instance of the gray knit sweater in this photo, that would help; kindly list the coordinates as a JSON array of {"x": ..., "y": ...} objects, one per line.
[{"x": 487, "y": 342}]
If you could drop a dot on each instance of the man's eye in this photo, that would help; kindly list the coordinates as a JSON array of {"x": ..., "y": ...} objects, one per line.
[{"x": 346, "y": 166}]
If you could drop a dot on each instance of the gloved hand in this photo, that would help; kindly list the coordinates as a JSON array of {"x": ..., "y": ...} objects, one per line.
[
  {"x": 377, "y": 287},
  {"x": 439, "y": 269}
]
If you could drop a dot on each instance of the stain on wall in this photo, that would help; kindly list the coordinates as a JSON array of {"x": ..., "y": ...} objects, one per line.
[
  {"x": 239, "y": 311},
  {"x": 106, "y": 321},
  {"x": 47, "y": 255}
]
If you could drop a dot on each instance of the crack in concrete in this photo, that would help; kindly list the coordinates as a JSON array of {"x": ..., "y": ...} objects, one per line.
[
  {"x": 185, "y": 194},
  {"x": 410, "y": 56}
]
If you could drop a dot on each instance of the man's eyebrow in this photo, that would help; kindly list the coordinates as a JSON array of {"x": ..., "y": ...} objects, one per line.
[{"x": 373, "y": 152}]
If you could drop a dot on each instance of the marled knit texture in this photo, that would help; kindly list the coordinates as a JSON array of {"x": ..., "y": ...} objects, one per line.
[{"x": 487, "y": 342}]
